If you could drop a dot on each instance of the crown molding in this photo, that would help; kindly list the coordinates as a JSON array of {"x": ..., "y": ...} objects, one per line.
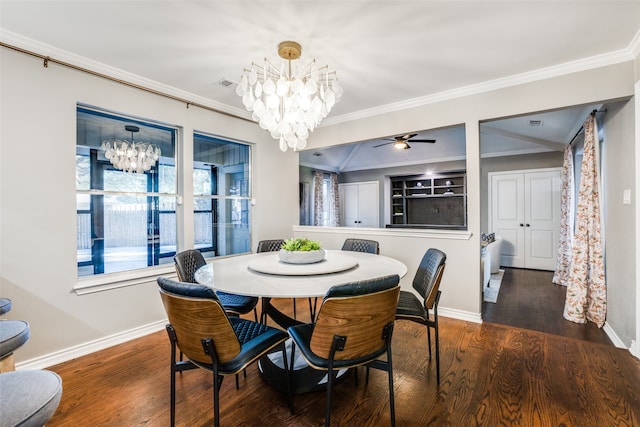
[
  {"x": 56, "y": 54},
  {"x": 585, "y": 64}
]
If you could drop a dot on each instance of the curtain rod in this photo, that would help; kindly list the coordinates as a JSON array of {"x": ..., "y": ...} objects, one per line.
[
  {"x": 593, "y": 113},
  {"x": 48, "y": 59}
]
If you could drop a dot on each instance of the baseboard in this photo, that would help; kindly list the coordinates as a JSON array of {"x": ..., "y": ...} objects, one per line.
[
  {"x": 615, "y": 339},
  {"x": 67, "y": 354},
  {"x": 635, "y": 349},
  {"x": 460, "y": 314}
]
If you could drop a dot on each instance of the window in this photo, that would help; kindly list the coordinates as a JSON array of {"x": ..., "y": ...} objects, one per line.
[
  {"x": 222, "y": 196},
  {"x": 126, "y": 221}
]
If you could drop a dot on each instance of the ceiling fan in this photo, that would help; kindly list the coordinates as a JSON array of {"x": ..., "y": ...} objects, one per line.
[{"x": 402, "y": 142}]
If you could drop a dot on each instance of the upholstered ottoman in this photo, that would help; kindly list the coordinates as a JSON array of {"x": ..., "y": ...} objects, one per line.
[
  {"x": 28, "y": 398},
  {"x": 5, "y": 305},
  {"x": 13, "y": 333}
]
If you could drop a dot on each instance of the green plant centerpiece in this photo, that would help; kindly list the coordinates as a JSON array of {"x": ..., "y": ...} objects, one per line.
[{"x": 301, "y": 251}]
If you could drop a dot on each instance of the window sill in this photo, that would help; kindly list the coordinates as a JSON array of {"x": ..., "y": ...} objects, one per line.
[{"x": 105, "y": 282}]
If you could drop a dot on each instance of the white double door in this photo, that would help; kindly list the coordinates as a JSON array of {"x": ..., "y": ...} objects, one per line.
[
  {"x": 525, "y": 212},
  {"x": 359, "y": 204}
]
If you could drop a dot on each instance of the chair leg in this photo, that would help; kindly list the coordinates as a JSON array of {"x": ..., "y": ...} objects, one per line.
[
  {"x": 437, "y": 352},
  {"x": 287, "y": 370},
  {"x": 392, "y": 407},
  {"x": 312, "y": 309},
  {"x": 429, "y": 340},
  {"x": 291, "y": 376},
  {"x": 173, "y": 385},
  {"x": 294, "y": 308},
  {"x": 216, "y": 398},
  {"x": 327, "y": 415}
]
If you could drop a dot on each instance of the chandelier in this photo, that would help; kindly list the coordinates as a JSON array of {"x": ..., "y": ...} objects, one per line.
[
  {"x": 130, "y": 156},
  {"x": 291, "y": 99}
]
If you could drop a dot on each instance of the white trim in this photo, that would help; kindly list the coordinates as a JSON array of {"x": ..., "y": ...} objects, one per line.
[
  {"x": 104, "y": 282},
  {"x": 397, "y": 232},
  {"x": 635, "y": 349},
  {"x": 467, "y": 316},
  {"x": 615, "y": 339},
  {"x": 89, "y": 347}
]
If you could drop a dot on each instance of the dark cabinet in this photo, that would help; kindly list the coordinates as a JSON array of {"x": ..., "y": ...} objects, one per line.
[{"x": 429, "y": 201}]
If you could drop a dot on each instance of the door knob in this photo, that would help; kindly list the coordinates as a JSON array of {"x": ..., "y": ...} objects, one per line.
[
  {"x": 528, "y": 225},
  {"x": 521, "y": 225}
]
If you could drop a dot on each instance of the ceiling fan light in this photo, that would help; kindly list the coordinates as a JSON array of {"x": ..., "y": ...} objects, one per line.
[{"x": 400, "y": 145}]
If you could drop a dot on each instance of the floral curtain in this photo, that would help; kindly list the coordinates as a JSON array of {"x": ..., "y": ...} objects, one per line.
[
  {"x": 565, "y": 244},
  {"x": 326, "y": 203},
  {"x": 334, "y": 201},
  {"x": 586, "y": 293},
  {"x": 318, "y": 198}
]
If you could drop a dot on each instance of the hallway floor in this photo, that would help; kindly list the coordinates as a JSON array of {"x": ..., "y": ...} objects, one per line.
[{"x": 529, "y": 300}]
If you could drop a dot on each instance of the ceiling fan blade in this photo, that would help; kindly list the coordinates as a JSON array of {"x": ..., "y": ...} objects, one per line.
[
  {"x": 431, "y": 141},
  {"x": 407, "y": 136},
  {"x": 386, "y": 143}
]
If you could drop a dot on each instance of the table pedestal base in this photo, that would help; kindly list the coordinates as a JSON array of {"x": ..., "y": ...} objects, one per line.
[{"x": 305, "y": 378}]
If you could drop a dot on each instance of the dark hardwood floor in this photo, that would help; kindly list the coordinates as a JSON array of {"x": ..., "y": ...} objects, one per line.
[
  {"x": 492, "y": 375},
  {"x": 528, "y": 299}
]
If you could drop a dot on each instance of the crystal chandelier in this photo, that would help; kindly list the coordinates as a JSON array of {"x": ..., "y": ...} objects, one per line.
[
  {"x": 290, "y": 100},
  {"x": 130, "y": 156}
]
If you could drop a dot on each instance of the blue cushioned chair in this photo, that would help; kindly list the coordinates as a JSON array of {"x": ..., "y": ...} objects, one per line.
[
  {"x": 353, "y": 328},
  {"x": 200, "y": 328}
]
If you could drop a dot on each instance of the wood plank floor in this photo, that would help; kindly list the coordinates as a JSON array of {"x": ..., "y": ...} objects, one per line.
[
  {"x": 528, "y": 299},
  {"x": 492, "y": 375}
]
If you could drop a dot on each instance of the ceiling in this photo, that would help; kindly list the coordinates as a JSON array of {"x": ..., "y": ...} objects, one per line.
[{"x": 387, "y": 54}]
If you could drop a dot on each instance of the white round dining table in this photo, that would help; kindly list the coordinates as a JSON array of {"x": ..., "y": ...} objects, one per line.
[{"x": 264, "y": 275}]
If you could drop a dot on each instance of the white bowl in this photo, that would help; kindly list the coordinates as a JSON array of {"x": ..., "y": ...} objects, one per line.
[{"x": 301, "y": 257}]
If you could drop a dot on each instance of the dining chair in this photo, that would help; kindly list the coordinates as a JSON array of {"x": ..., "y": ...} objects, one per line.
[
  {"x": 274, "y": 245},
  {"x": 361, "y": 245},
  {"x": 353, "y": 328},
  {"x": 427, "y": 283},
  {"x": 189, "y": 261},
  {"x": 200, "y": 328}
]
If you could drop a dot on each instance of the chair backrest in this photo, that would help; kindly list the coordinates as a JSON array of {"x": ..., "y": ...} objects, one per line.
[
  {"x": 360, "y": 311},
  {"x": 195, "y": 313},
  {"x": 361, "y": 245},
  {"x": 270, "y": 245},
  {"x": 429, "y": 274},
  {"x": 187, "y": 262}
]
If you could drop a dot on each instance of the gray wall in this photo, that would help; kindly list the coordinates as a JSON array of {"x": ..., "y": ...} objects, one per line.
[{"x": 618, "y": 161}]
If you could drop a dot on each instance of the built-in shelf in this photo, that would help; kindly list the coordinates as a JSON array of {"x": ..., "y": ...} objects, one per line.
[{"x": 438, "y": 201}]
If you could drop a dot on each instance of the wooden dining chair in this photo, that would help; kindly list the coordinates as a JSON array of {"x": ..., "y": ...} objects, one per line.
[
  {"x": 200, "y": 328},
  {"x": 354, "y": 328},
  {"x": 189, "y": 261},
  {"x": 427, "y": 283}
]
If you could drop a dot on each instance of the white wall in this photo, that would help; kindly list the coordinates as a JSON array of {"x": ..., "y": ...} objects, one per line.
[{"x": 37, "y": 197}]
